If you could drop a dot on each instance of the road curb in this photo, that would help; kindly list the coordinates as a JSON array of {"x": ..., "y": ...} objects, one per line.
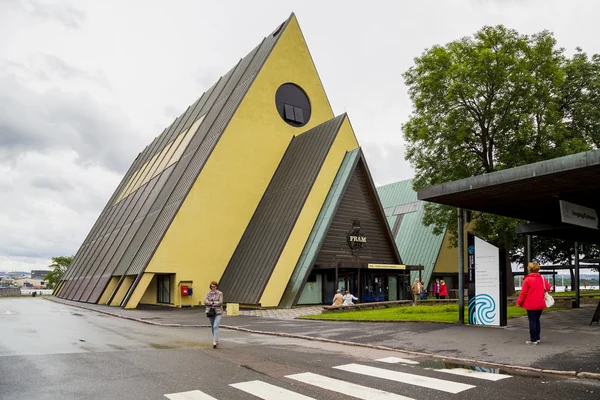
[{"x": 455, "y": 360}]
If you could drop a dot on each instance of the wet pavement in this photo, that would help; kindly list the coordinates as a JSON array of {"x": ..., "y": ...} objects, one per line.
[
  {"x": 569, "y": 343},
  {"x": 50, "y": 350}
]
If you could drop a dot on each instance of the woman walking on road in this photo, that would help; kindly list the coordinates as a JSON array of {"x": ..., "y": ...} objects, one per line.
[
  {"x": 214, "y": 309},
  {"x": 532, "y": 299}
]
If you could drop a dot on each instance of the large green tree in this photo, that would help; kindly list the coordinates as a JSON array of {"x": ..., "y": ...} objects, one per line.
[
  {"x": 497, "y": 100},
  {"x": 59, "y": 266}
]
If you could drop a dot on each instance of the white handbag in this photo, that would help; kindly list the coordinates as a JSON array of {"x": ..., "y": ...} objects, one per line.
[{"x": 549, "y": 300}]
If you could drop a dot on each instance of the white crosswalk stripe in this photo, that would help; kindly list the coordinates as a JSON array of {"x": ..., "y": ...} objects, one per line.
[
  {"x": 266, "y": 391},
  {"x": 192, "y": 395},
  {"x": 396, "y": 360},
  {"x": 347, "y": 388},
  {"x": 403, "y": 377},
  {"x": 474, "y": 374}
]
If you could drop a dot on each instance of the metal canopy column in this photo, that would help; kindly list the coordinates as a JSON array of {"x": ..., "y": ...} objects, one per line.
[
  {"x": 461, "y": 269},
  {"x": 576, "y": 304}
]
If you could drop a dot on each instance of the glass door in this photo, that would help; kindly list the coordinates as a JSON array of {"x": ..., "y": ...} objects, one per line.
[{"x": 164, "y": 289}]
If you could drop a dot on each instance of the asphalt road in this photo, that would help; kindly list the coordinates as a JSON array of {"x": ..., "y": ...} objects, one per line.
[{"x": 53, "y": 351}]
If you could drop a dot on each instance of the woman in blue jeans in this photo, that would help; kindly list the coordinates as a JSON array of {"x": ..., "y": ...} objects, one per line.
[
  {"x": 532, "y": 299},
  {"x": 214, "y": 300}
]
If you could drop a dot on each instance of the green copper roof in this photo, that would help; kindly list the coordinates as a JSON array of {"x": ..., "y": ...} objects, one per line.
[{"x": 417, "y": 244}]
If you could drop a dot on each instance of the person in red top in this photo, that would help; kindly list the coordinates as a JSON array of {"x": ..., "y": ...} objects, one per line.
[
  {"x": 443, "y": 290},
  {"x": 532, "y": 299}
]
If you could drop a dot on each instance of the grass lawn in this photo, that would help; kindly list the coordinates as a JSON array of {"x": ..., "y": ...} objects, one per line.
[{"x": 435, "y": 313}]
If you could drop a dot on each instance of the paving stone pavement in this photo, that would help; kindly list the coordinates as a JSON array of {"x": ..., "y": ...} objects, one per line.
[{"x": 283, "y": 314}]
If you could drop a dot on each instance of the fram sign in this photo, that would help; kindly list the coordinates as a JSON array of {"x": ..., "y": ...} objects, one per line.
[{"x": 575, "y": 214}]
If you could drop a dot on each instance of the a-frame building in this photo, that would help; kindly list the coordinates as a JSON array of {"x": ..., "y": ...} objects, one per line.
[{"x": 235, "y": 190}]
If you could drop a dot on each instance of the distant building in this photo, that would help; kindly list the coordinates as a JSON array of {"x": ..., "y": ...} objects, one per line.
[
  {"x": 416, "y": 242},
  {"x": 39, "y": 274}
]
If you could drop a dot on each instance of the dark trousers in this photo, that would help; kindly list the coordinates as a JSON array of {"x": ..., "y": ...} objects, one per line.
[{"x": 534, "y": 324}]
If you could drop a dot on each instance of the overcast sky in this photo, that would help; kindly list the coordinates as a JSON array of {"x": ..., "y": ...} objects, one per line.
[{"x": 85, "y": 85}]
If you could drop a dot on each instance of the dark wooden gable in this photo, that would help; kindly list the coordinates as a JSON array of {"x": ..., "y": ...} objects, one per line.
[{"x": 359, "y": 203}]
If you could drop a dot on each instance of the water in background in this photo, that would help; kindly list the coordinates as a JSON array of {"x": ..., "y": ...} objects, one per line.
[{"x": 560, "y": 288}]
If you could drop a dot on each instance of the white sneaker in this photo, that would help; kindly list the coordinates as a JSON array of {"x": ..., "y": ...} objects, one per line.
[{"x": 530, "y": 342}]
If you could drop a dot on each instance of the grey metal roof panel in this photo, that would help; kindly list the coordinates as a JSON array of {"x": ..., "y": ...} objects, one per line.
[
  {"x": 235, "y": 86},
  {"x": 133, "y": 205},
  {"x": 139, "y": 236},
  {"x": 81, "y": 257},
  {"x": 319, "y": 231},
  {"x": 260, "y": 247},
  {"x": 86, "y": 261}
]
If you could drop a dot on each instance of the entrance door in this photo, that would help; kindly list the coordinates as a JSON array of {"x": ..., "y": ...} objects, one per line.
[
  {"x": 164, "y": 289},
  {"x": 373, "y": 287}
]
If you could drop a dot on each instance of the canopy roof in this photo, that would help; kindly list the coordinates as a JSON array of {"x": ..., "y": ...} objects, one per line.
[{"x": 532, "y": 193}]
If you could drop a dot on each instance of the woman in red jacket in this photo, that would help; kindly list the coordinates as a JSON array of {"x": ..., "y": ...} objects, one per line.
[
  {"x": 443, "y": 290},
  {"x": 532, "y": 299}
]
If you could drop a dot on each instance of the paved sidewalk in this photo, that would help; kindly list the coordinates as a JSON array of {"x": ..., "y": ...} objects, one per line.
[{"x": 569, "y": 344}]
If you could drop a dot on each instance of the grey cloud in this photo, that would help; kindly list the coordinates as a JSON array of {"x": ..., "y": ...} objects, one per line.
[
  {"x": 51, "y": 67},
  {"x": 54, "y": 183},
  {"x": 66, "y": 14},
  {"x": 172, "y": 111},
  {"x": 386, "y": 162},
  {"x": 62, "y": 13},
  {"x": 59, "y": 120}
]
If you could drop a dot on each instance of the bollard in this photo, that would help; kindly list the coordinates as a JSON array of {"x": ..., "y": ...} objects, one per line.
[{"x": 233, "y": 309}]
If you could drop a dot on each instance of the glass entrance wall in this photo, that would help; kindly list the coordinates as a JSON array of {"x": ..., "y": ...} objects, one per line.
[{"x": 374, "y": 285}]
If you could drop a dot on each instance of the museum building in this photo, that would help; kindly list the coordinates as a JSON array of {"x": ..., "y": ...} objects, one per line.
[{"x": 257, "y": 185}]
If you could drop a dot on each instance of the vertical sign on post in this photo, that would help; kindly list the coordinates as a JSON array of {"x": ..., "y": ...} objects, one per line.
[{"x": 487, "y": 292}]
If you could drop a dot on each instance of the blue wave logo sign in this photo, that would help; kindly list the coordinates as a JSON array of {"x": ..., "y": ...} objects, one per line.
[
  {"x": 471, "y": 249},
  {"x": 482, "y": 310}
]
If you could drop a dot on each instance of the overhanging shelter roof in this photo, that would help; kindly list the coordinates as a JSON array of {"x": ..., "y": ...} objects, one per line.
[{"x": 530, "y": 192}]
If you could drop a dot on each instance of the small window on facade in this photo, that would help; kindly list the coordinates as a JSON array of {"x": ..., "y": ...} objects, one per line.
[
  {"x": 289, "y": 112},
  {"x": 293, "y": 104},
  {"x": 299, "y": 115}
]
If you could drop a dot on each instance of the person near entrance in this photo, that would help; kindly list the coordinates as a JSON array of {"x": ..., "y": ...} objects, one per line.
[
  {"x": 443, "y": 290},
  {"x": 417, "y": 289},
  {"x": 338, "y": 299},
  {"x": 436, "y": 288},
  {"x": 349, "y": 299},
  {"x": 214, "y": 310},
  {"x": 532, "y": 299}
]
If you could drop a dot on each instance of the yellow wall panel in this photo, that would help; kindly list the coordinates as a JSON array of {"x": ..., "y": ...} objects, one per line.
[
  {"x": 112, "y": 284},
  {"x": 344, "y": 142},
  {"x": 213, "y": 217},
  {"x": 151, "y": 294},
  {"x": 125, "y": 285},
  {"x": 139, "y": 291},
  {"x": 447, "y": 260}
]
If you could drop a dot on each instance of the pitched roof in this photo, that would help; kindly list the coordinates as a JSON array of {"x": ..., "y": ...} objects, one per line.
[
  {"x": 353, "y": 178},
  {"x": 258, "y": 251},
  {"x": 417, "y": 244},
  {"x": 129, "y": 229}
]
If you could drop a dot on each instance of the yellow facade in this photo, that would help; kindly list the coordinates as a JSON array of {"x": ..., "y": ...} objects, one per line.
[
  {"x": 137, "y": 294},
  {"x": 345, "y": 141},
  {"x": 151, "y": 293},
  {"x": 217, "y": 210},
  {"x": 122, "y": 292},
  {"x": 447, "y": 260},
  {"x": 112, "y": 284}
]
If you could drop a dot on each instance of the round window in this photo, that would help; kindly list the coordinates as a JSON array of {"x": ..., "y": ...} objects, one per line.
[{"x": 292, "y": 104}]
